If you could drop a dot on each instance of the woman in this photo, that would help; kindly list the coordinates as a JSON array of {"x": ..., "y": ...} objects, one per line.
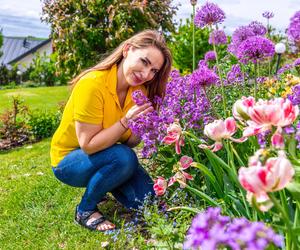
[{"x": 92, "y": 146}]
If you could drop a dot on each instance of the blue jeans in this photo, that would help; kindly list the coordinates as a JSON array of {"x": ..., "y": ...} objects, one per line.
[{"x": 115, "y": 169}]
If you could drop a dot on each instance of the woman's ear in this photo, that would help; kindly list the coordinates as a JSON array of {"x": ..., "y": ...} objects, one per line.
[{"x": 125, "y": 50}]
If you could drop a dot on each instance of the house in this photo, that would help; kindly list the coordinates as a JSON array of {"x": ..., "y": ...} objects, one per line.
[{"x": 22, "y": 50}]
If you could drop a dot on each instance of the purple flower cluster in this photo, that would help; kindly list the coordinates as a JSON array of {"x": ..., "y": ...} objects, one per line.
[
  {"x": 217, "y": 37},
  {"x": 242, "y": 33},
  {"x": 285, "y": 68},
  {"x": 296, "y": 63},
  {"x": 255, "y": 49},
  {"x": 210, "y": 56},
  {"x": 178, "y": 104},
  {"x": 262, "y": 138},
  {"x": 293, "y": 30},
  {"x": 297, "y": 137},
  {"x": 295, "y": 96},
  {"x": 235, "y": 75},
  {"x": 209, "y": 14},
  {"x": 210, "y": 230},
  {"x": 203, "y": 76},
  {"x": 268, "y": 14},
  {"x": 139, "y": 98}
]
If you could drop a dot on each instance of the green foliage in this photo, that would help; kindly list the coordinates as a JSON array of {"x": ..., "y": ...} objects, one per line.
[
  {"x": 43, "y": 70},
  {"x": 7, "y": 76},
  {"x": 43, "y": 124},
  {"x": 181, "y": 46},
  {"x": 83, "y": 31}
]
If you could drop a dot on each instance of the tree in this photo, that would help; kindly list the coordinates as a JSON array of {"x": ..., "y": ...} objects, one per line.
[{"x": 83, "y": 30}]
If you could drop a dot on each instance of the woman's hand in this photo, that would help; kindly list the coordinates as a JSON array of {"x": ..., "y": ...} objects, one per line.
[{"x": 136, "y": 111}]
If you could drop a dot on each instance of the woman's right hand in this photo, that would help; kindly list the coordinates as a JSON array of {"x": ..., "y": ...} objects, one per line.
[{"x": 136, "y": 111}]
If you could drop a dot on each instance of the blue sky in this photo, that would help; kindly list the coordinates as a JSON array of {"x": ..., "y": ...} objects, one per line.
[{"x": 21, "y": 17}]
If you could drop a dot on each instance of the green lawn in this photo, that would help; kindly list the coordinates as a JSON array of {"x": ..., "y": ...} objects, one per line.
[
  {"x": 42, "y": 98},
  {"x": 36, "y": 210}
]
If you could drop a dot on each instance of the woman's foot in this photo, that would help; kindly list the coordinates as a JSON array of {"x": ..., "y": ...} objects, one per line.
[{"x": 93, "y": 220}]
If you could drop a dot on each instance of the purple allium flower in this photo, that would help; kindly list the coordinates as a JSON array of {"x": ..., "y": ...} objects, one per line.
[
  {"x": 296, "y": 63},
  {"x": 258, "y": 28},
  {"x": 217, "y": 37},
  {"x": 207, "y": 230},
  {"x": 285, "y": 68},
  {"x": 139, "y": 98},
  {"x": 235, "y": 75},
  {"x": 210, "y": 229},
  {"x": 209, "y": 14},
  {"x": 293, "y": 30},
  {"x": 255, "y": 49},
  {"x": 268, "y": 14},
  {"x": 202, "y": 63},
  {"x": 238, "y": 36},
  {"x": 210, "y": 56},
  {"x": 203, "y": 76},
  {"x": 295, "y": 96}
]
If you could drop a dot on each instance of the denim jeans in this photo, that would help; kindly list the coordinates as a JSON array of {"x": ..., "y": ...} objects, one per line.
[{"x": 115, "y": 169}]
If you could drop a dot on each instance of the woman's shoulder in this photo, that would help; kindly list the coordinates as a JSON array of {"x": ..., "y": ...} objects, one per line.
[{"x": 95, "y": 75}]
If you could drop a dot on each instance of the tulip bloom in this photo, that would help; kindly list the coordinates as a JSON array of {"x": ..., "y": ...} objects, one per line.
[
  {"x": 174, "y": 135},
  {"x": 160, "y": 186},
  {"x": 240, "y": 109},
  {"x": 180, "y": 175},
  {"x": 218, "y": 130},
  {"x": 278, "y": 112},
  {"x": 260, "y": 179}
]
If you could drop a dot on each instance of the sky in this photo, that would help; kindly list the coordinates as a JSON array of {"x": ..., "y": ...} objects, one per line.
[{"x": 22, "y": 17}]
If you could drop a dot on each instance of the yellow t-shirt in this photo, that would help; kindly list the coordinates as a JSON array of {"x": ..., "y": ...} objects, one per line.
[{"x": 93, "y": 100}]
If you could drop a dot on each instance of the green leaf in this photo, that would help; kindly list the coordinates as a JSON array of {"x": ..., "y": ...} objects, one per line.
[
  {"x": 189, "y": 209},
  {"x": 294, "y": 189},
  {"x": 202, "y": 195}
]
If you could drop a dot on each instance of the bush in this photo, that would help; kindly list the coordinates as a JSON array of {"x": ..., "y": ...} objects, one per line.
[{"x": 43, "y": 124}]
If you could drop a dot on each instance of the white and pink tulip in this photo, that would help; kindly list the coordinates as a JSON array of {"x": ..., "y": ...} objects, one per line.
[
  {"x": 160, "y": 186},
  {"x": 240, "y": 109},
  {"x": 174, "y": 135}
]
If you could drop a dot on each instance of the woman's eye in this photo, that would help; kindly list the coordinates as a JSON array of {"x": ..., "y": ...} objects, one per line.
[{"x": 144, "y": 62}]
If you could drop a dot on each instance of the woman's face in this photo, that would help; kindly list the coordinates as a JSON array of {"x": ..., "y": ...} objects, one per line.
[{"x": 141, "y": 65}]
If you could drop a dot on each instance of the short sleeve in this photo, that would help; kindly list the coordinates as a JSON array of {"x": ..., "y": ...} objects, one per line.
[{"x": 88, "y": 101}]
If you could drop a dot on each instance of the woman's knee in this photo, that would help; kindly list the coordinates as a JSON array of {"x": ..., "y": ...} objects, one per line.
[{"x": 125, "y": 158}]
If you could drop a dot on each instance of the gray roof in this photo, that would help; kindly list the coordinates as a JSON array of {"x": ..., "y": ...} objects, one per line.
[{"x": 14, "y": 48}]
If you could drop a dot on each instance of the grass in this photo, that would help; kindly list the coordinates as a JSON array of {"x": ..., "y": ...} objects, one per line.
[
  {"x": 42, "y": 98},
  {"x": 36, "y": 210}
]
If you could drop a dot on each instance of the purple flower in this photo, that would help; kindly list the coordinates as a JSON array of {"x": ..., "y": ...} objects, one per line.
[
  {"x": 285, "y": 68},
  {"x": 255, "y": 49},
  {"x": 262, "y": 138},
  {"x": 209, "y": 14},
  {"x": 210, "y": 56},
  {"x": 289, "y": 130},
  {"x": 268, "y": 14},
  {"x": 217, "y": 37},
  {"x": 202, "y": 63},
  {"x": 296, "y": 63},
  {"x": 210, "y": 229},
  {"x": 238, "y": 36},
  {"x": 139, "y": 98},
  {"x": 258, "y": 28},
  {"x": 293, "y": 30},
  {"x": 203, "y": 76},
  {"x": 295, "y": 96},
  {"x": 235, "y": 75}
]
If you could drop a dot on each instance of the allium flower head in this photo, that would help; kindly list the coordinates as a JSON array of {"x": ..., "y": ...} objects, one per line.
[
  {"x": 258, "y": 28},
  {"x": 210, "y": 56},
  {"x": 209, "y": 14},
  {"x": 268, "y": 14},
  {"x": 235, "y": 75},
  {"x": 255, "y": 49},
  {"x": 203, "y": 76},
  {"x": 217, "y": 37},
  {"x": 294, "y": 27}
]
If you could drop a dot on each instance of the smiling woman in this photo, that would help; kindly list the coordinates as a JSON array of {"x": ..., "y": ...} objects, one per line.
[{"x": 92, "y": 146}]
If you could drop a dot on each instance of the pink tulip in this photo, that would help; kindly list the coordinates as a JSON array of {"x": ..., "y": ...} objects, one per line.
[
  {"x": 260, "y": 179},
  {"x": 218, "y": 130},
  {"x": 277, "y": 140},
  {"x": 241, "y": 108},
  {"x": 180, "y": 175},
  {"x": 174, "y": 135},
  {"x": 278, "y": 112},
  {"x": 262, "y": 201},
  {"x": 160, "y": 186}
]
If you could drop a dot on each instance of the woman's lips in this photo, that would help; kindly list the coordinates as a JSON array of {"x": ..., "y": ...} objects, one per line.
[{"x": 136, "y": 78}]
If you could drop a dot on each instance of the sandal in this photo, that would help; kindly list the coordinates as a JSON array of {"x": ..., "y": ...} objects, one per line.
[{"x": 83, "y": 218}]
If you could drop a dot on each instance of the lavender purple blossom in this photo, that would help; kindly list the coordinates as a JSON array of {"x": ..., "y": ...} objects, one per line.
[
  {"x": 209, "y": 14},
  {"x": 210, "y": 230},
  {"x": 285, "y": 68},
  {"x": 210, "y": 56},
  {"x": 255, "y": 49},
  {"x": 295, "y": 96},
  {"x": 296, "y": 63},
  {"x": 235, "y": 75},
  {"x": 258, "y": 28},
  {"x": 139, "y": 98},
  {"x": 268, "y": 14},
  {"x": 203, "y": 76},
  {"x": 293, "y": 30},
  {"x": 217, "y": 37}
]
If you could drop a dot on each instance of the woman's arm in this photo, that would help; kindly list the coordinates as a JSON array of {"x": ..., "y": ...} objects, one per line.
[
  {"x": 93, "y": 138},
  {"x": 133, "y": 141}
]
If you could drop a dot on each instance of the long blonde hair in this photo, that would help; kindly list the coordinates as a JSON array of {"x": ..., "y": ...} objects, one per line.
[{"x": 155, "y": 87}]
